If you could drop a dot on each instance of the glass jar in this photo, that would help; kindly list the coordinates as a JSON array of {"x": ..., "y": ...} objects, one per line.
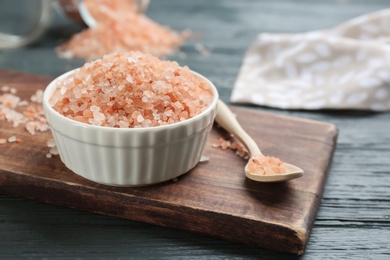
[{"x": 24, "y": 22}]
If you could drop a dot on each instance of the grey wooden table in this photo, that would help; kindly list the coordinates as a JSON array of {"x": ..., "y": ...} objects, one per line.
[{"x": 354, "y": 217}]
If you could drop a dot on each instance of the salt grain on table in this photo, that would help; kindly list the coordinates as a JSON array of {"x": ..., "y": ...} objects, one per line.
[
  {"x": 51, "y": 143},
  {"x": 22, "y": 112},
  {"x": 12, "y": 139},
  {"x": 234, "y": 145}
]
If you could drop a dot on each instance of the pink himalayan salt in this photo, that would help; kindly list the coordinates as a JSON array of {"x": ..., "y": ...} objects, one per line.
[
  {"x": 53, "y": 150},
  {"x": 204, "y": 158},
  {"x": 234, "y": 145},
  {"x": 265, "y": 165},
  {"x": 14, "y": 139},
  {"x": 11, "y": 139},
  {"x": 159, "y": 92},
  {"x": 32, "y": 116},
  {"x": 22, "y": 112},
  {"x": 51, "y": 143},
  {"x": 119, "y": 28},
  {"x": 5, "y": 88}
]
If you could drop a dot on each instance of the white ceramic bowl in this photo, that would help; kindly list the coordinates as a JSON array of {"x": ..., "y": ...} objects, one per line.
[{"x": 130, "y": 156}]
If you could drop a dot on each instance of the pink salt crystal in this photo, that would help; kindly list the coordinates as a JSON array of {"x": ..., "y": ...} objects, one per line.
[
  {"x": 77, "y": 93},
  {"x": 54, "y": 150},
  {"x": 5, "y": 88},
  {"x": 140, "y": 118},
  {"x": 132, "y": 59},
  {"x": 178, "y": 105},
  {"x": 37, "y": 96},
  {"x": 22, "y": 112},
  {"x": 12, "y": 139},
  {"x": 234, "y": 145},
  {"x": 168, "y": 112},
  {"x": 129, "y": 78},
  {"x": 94, "y": 108},
  {"x": 63, "y": 90},
  {"x": 265, "y": 165},
  {"x": 31, "y": 127},
  {"x": 95, "y": 122},
  {"x": 123, "y": 124},
  {"x": 10, "y": 100},
  {"x": 98, "y": 116},
  {"x": 23, "y": 103},
  {"x": 43, "y": 127},
  {"x": 15, "y": 117},
  {"x": 146, "y": 123},
  {"x": 204, "y": 158},
  {"x": 51, "y": 143}
]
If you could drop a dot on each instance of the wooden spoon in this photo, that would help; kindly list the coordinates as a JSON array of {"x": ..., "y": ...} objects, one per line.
[{"x": 228, "y": 121}]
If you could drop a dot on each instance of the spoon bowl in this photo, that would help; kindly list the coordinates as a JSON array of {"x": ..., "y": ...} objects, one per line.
[
  {"x": 226, "y": 119},
  {"x": 292, "y": 172}
]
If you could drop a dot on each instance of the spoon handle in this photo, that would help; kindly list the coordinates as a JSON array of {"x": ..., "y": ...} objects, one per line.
[{"x": 228, "y": 121}]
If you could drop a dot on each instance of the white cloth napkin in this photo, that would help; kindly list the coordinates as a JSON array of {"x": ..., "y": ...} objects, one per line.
[{"x": 347, "y": 67}]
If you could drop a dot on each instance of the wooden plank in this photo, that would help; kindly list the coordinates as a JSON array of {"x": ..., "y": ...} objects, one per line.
[{"x": 213, "y": 199}]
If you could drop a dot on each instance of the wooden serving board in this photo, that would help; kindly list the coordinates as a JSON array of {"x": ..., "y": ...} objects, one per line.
[{"x": 214, "y": 199}]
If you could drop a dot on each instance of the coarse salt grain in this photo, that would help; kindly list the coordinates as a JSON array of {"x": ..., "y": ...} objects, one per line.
[
  {"x": 140, "y": 119},
  {"x": 21, "y": 112},
  {"x": 37, "y": 96},
  {"x": 159, "y": 92},
  {"x": 129, "y": 78},
  {"x": 12, "y": 139},
  {"x": 5, "y": 88},
  {"x": 54, "y": 150},
  {"x": 9, "y": 100},
  {"x": 29, "y": 114},
  {"x": 94, "y": 108},
  {"x": 265, "y": 165},
  {"x": 51, "y": 143},
  {"x": 23, "y": 103},
  {"x": 234, "y": 145},
  {"x": 204, "y": 158}
]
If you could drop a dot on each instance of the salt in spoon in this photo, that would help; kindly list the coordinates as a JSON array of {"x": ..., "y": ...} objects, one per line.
[{"x": 226, "y": 119}]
